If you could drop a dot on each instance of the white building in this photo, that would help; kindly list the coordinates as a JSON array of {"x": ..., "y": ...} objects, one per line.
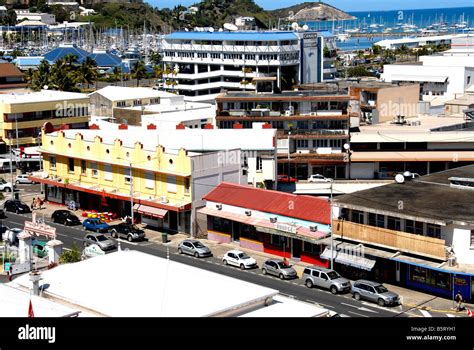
[
  {"x": 390, "y": 44},
  {"x": 200, "y": 64},
  {"x": 36, "y": 17}
]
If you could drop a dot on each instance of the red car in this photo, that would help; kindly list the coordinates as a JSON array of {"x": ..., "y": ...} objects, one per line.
[{"x": 286, "y": 178}]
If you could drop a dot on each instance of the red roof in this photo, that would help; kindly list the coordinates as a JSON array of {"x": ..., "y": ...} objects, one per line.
[{"x": 296, "y": 206}]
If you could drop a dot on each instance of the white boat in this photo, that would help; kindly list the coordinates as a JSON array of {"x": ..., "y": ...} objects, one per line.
[{"x": 343, "y": 37}]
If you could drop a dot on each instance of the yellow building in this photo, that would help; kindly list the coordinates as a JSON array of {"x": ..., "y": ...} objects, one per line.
[
  {"x": 27, "y": 112},
  {"x": 92, "y": 168}
]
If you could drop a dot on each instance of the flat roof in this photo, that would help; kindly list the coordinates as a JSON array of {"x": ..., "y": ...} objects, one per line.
[
  {"x": 428, "y": 197},
  {"x": 152, "y": 286},
  {"x": 296, "y": 95},
  {"x": 233, "y": 36},
  {"x": 40, "y": 96},
  {"x": 288, "y": 307},
  {"x": 421, "y": 78},
  {"x": 413, "y": 156},
  {"x": 117, "y": 93}
]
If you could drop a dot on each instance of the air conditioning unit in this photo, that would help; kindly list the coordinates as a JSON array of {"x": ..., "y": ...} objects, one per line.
[
  {"x": 248, "y": 212},
  {"x": 313, "y": 228},
  {"x": 219, "y": 206},
  {"x": 273, "y": 220},
  {"x": 163, "y": 199},
  {"x": 452, "y": 261}
]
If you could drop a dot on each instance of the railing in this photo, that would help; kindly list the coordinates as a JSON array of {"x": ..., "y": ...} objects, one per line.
[
  {"x": 402, "y": 241},
  {"x": 280, "y": 113}
]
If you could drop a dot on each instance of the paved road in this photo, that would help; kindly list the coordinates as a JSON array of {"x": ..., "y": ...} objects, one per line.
[{"x": 343, "y": 304}]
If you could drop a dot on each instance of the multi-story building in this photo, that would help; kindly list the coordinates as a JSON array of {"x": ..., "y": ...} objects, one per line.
[
  {"x": 25, "y": 113},
  {"x": 11, "y": 77},
  {"x": 200, "y": 64},
  {"x": 417, "y": 233},
  {"x": 312, "y": 127},
  {"x": 45, "y": 18},
  {"x": 101, "y": 169}
]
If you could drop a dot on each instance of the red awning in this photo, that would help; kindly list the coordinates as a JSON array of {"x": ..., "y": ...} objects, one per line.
[{"x": 145, "y": 209}]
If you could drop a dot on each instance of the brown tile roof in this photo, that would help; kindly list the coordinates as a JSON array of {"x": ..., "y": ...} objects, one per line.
[{"x": 9, "y": 70}]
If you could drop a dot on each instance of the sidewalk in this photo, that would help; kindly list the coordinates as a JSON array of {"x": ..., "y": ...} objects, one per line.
[{"x": 410, "y": 298}]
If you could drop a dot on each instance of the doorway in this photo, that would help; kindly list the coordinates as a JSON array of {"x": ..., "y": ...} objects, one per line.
[{"x": 296, "y": 248}]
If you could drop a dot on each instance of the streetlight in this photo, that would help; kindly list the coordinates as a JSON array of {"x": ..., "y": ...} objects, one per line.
[
  {"x": 289, "y": 174},
  {"x": 332, "y": 238},
  {"x": 131, "y": 187}
]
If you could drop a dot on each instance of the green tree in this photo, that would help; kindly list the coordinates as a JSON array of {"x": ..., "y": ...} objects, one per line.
[
  {"x": 358, "y": 71},
  {"x": 71, "y": 256},
  {"x": 376, "y": 49},
  {"x": 155, "y": 58},
  {"x": 10, "y": 18},
  {"x": 59, "y": 12},
  {"x": 117, "y": 74},
  {"x": 139, "y": 72},
  {"x": 40, "y": 77},
  {"x": 64, "y": 74},
  {"x": 86, "y": 72}
]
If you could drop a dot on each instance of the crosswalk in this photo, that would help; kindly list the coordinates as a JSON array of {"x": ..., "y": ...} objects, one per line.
[{"x": 425, "y": 313}]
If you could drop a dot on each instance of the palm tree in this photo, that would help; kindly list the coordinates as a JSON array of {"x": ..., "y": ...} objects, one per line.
[
  {"x": 41, "y": 77},
  {"x": 64, "y": 74},
  {"x": 117, "y": 74},
  {"x": 139, "y": 71},
  {"x": 86, "y": 72}
]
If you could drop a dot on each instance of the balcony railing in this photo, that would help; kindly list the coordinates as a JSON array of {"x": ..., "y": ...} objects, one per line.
[{"x": 402, "y": 241}]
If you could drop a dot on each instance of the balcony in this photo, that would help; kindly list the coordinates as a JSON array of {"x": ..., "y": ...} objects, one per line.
[
  {"x": 280, "y": 115},
  {"x": 397, "y": 240},
  {"x": 314, "y": 134}
]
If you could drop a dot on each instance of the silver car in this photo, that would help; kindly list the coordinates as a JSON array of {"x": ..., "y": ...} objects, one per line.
[
  {"x": 194, "y": 247},
  {"x": 374, "y": 291},
  {"x": 100, "y": 239},
  {"x": 279, "y": 268},
  {"x": 325, "y": 278}
]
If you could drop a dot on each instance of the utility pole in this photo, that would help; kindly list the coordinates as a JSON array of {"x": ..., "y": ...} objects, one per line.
[{"x": 332, "y": 238}]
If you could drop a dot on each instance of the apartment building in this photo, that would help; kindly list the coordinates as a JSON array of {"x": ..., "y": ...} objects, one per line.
[
  {"x": 200, "y": 64},
  {"x": 101, "y": 169},
  {"x": 418, "y": 233},
  {"x": 25, "y": 113},
  {"x": 313, "y": 127}
]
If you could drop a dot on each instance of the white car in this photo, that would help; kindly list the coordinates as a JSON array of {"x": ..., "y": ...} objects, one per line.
[
  {"x": 5, "y": 186},
  {"x": 318, "y": 178},
  {"x": 23, "y": 179},
  {"x": 239, "y": 259}
]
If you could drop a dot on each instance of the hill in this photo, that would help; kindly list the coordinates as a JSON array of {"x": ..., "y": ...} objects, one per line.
[{"x": 311, "y": 11}]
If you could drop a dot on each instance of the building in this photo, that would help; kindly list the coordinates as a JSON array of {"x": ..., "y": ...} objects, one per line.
[
  {"x": 200, "y": 64},
  {"x": 45, "y": 18},
  {"x": 26, "y": 62},
  {"x": 382, "y": 102},
  {"x": 274, "y": 222},
  {"x": 418, "y": 233},
  {"x": 459, "y": 105},
  {"x": 313, "y": 127},
  {"x": 11, "y": 77},
  {"x": 100, "y": 170},
  {"x": 143, "y": 106},
  {"x": 447, "y": 39},
  {"x": 25, "y": 113}
]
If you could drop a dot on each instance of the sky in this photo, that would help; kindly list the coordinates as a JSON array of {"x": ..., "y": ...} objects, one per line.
[{"x": 346, "y": 5}]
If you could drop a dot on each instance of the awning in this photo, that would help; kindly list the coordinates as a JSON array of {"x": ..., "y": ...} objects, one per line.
[
  {"x": 349, "y": 259},
  {"x": 145, "y": 209}
]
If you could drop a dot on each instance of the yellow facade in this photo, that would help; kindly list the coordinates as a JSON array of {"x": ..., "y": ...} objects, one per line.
[{"x": 105, "y": 166}]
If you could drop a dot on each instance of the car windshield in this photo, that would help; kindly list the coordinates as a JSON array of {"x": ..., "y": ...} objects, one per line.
[
  {"x": 333, "y": 275},
  {"x": 282, "y": 265},
  {"x": 381, "y": 289},
  {"x": 243, "y": 256},
  {"x": 199, "y": 245},
  {"x": 102, "y": 238}
]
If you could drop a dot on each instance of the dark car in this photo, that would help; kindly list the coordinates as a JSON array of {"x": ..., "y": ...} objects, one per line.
[
  {"x": 128, "y": 231},
  {"x": 65, "y": 217},
  {"x": 16, "y": 206}
]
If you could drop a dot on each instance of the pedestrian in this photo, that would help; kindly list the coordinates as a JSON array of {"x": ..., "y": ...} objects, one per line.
[
  {"x": 39, "y": 203},
  {"x": 33, "y": 204},
  {"x": 458, "y": 299}
]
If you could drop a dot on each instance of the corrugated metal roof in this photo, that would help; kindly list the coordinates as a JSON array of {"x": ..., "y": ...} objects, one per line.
[
  {"x": 61, "y": 51},
  {"x": 239, "y": 36},
  {"x": 106, "y": 59},
  {"x": 301, "y": 207}
]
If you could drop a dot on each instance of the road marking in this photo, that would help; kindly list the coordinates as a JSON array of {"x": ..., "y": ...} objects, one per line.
[
  {"x": 425, "y": 313},
  {"x": 368, "y": 310},
  {"x": 355, "y": 313},
  {"x": 354, "y": 306},
  {"x": 344, "y": 315},
  {"x": 124, "y": 241},
  {"x": 449, "y": 315}
]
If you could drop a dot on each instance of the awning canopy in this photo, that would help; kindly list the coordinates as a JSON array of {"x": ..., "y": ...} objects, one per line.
[
  {"x": 349, "y": 259},
  {"x": 145, "y": 209}
]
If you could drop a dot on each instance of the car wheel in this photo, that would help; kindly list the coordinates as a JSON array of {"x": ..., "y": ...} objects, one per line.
[
  {"x": 309, "y": 284},
  {"x": 129, "y": 238},
  {"x": 196, "y": 255},
  {"x": 180, "y": 251},
  {"x": 333, "y": 289},
  {"x": 17, "y": 182},
  {"x": 8, "y": 189},
  {"x": 17, "y": 211},
  {"x": 242, "y": 266},
  {"x": 381, "y": 302},
  {"x": 281, "y": 276},
  {"x": 356, "y": 296},
  {"x": 264, "y": 271},
  {"x": 224, "y": 261},
  {"x": 114, "y": 234}
]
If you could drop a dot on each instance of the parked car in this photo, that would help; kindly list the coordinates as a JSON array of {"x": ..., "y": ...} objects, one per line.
[
  {"x": 5, "y": 186},
  {"x": 325, "y": 278},
  {"x": 23, "y": 179},
  {"x": 100, "y": 239},
  {"x": 40, "y": 248},
  {"x": 194, "y": 247},
  {"x": 239, "y": 259},
  {"x": 279, "y": 268},
  {"x": 16, "y": 206},
  {"x": 318, "y": 178},
  {"x": 65, "y": 217},
  {"x": 95, "y": 225},
  {"x": 2, "y": 214},
  {"x": 286, "y": 178},
  {"x": 10, "y": 236},
  {"x": 374, "y": 291},
  {"x": 128, "y": 231}
]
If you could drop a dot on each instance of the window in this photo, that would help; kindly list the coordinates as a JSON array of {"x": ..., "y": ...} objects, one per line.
[
  {"x": 108, "y": 172},
  {"x": 324, "y": 276},
  {"x": 315, "y": 273},
  {"x": 380, "y": 221},
  {"x": 357, "y": 217},
  {"x": 419, "y": 228},
  {"x": 302, "y": 143},
  {"x": 137, "y": 102},
  {"x": 393, "y": 223},
  {"x": 83, "y": 167},
  {"x": 472, "y": 238},
  {"x": 171, "y": 181},
  {"x": 434, "y": 231},
  {"x": 70, "y": 165},
  {"x": 121, "y": 103},
  {"x": 259, "y": 163},
  {"x": 52, "y": 162},
  {"x": 127, "y": 175},
  {"x": 95, "y": 173},
  {"x": 187, "y": 184},
  {"x": 149, "y": 180}
]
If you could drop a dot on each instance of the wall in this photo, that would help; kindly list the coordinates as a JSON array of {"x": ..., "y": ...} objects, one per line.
[
  {"x": 362, "y": 170},
  {"x": 397, "y": 100},
  {"x": 459, "y": 237}
]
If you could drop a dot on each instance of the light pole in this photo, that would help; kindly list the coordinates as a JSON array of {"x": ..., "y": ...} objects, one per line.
[
  {"x": 131, "y": 187},
  {"x": 332, "y": 238},
  {"x": 289, "y": 173}
]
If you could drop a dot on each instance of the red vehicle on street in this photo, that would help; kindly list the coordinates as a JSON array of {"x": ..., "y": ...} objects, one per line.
[{"x": 286, "y": 178}]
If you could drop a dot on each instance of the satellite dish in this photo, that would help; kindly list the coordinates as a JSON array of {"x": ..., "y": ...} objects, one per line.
[
  {"x": 295, "y": 25},
  {"x": 399, "y": 178},
  {"x": 305, "y": 27},
  {"x": 186, "y": 29},
  {"x": 346, "y": 146},
  {"x": 211, "y": 30},
  {"x": 230, "y": 26}
]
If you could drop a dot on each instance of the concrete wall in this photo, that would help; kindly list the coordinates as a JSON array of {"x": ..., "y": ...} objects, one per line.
[
  {"x": 397, "y": 100},
  {"x": 459, "y": 237},
  {"x": 362, "y": 170}
]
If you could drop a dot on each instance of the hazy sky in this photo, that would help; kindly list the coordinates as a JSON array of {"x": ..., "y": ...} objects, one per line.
[{"x": 346, "y": 5}]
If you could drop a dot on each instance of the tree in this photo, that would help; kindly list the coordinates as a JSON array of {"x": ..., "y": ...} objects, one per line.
[
  {"x": 40, "y": 77},
  {"x": 10, "y": 18},
  {"x": 59, "y": 12},
  {"x": 358, "y": 71},
  {"x": 64, "y": 74},
  {"x": 86, "y": 72},
  {"x": 155, "y": 58},
  {"x": 376, "y": 49},
  {"x": 139, "y": 71},
  {"x": 71, "y": 256},
  {"x": 117, "y": 74}
]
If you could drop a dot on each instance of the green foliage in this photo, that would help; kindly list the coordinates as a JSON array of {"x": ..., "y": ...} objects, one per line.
[
  {"x": 139, "y": 72},
  {"x": 71, "y": 256},
  {"x": 376, "y": 49},
  {"x": 358, "y": 71},
  {"x": 10, "y": 18}
]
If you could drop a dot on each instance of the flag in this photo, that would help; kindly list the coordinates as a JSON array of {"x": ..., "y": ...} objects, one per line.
[
  {"x": 469, "y": 313},
  {"x": 31, "y": 314}
]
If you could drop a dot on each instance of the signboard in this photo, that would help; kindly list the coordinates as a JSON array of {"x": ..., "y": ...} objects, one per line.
[
  {"x": 285, "y": 227},
  {"x": 39, "y": 228},
  {"x": 310, "y": 40}
]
